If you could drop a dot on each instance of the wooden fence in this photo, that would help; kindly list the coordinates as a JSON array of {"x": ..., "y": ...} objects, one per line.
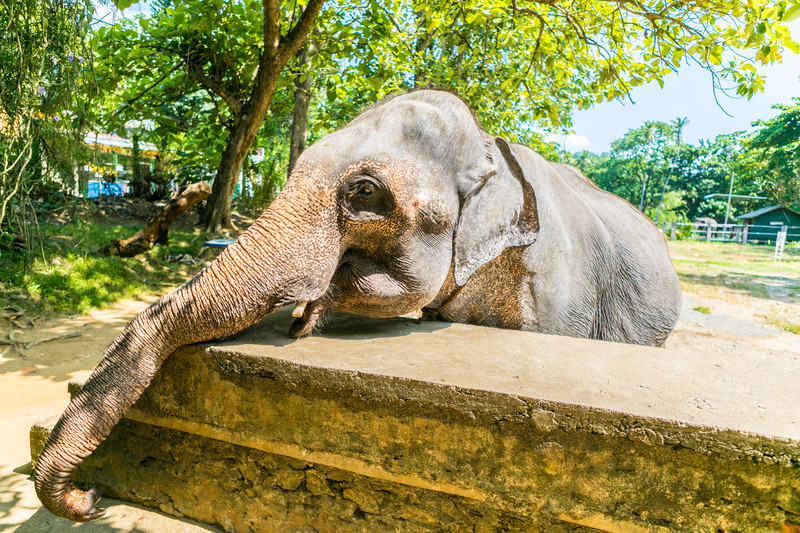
[{"x": 741, "y": 233}]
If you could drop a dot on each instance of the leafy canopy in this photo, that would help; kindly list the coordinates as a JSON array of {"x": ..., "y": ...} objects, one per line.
[
  {"x": 45, "y": 94},
  {"x": 518, "y": 63},
  {"x": 521, "y": 63},
  {"x": 773, "y": 152}
]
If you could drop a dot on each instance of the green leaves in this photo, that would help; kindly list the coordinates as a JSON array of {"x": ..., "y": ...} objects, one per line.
[
  {"x": 124, "y": 4},
  {"x": 522, "y": 68},
  {"x": 792, "y": 12},
  {"x": 765, "y": 162},
  {"x": 775, "y": 153},
  {"x": 45, "y": 95},
  {"x": 544, "y": 60}
]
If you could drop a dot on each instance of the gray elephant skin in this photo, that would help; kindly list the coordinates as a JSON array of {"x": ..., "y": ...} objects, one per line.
[{"x": 411, "y": 205}]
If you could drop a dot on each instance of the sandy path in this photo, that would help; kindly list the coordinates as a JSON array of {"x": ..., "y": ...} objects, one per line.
[{"x": 35, "y": 389}]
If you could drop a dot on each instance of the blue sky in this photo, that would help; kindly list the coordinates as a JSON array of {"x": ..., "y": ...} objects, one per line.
[{"x": 688, "y": 93}]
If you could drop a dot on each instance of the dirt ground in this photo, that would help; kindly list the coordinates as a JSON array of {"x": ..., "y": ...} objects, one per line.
[{"x": 33, "y": 384}]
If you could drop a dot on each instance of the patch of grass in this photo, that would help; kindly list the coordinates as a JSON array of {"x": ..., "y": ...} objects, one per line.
[
  {"x": 717, "y": 283},
  {"x": 784, "y": 323},
  {"x": 734, "y": 269},
  {"x": 70, "y": 279},
  {"x": 702, "y": 309},
  {"x": 722, "y": 256}
]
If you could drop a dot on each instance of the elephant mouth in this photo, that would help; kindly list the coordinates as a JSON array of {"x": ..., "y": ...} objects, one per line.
[
  {"x": 309, "y": 313},
  {"x": 358, "y": 286}
]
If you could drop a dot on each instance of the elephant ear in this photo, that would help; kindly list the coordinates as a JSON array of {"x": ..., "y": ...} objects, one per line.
[{"x": 498, "y": 213}]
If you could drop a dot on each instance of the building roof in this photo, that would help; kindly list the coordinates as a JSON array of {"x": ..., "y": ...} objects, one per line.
[
  {"x": 758, "y": 212},
  {"x": 118, "y": 144}
]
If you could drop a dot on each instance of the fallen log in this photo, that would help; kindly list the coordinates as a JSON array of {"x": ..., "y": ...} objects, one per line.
[{"x": 156, "y": 228}]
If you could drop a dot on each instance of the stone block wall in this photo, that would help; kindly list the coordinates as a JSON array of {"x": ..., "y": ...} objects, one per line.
[{"x": 400, "y": 426}]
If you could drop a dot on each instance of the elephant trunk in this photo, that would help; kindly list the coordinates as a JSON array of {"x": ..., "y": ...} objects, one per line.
[{"x": 288, "y": 255}]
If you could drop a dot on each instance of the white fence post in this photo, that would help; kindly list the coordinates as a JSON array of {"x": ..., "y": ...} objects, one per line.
[{"x": 780, "y": 243}]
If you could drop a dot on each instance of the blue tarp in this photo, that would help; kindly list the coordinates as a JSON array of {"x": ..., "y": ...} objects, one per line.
[{"x": 108, "y": 189}]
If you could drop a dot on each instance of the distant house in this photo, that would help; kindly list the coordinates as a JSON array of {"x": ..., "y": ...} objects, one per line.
[
  {"x": 112, "y": 167},
  {"x": 767, "y": 222}
]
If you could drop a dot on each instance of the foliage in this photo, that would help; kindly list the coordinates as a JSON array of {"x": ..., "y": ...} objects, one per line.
[
  {"x": 650, "y": 159},
  {"x": 190, "y": 65},
  {"x": 263, "y": 177},
  {"x": 672, "y": 208},
  {"x": 773, "y": 153},
  {"x": 45, "y": 65},
  {"x": 540, "y": 60},
  {"x": 231, "y": 52},
  {"x": 638, "y": 165},
  {"x": 144, "y": 78}
]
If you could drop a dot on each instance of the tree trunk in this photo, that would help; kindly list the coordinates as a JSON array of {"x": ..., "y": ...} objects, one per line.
[
  {"x": 645, "y": 179},
  {"x": 217, "y": 214},
  {"x": 156, "y": 228},
  {"x": 421, "y": 47},
  {"x": 302, "y": 99},
  {"x": 277, "y": 52}
]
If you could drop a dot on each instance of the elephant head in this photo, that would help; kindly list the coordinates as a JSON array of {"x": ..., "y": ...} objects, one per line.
[{"x": 373, "y": 221}]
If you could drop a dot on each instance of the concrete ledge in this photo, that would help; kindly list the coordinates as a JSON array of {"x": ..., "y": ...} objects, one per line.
[{"x": 387, "y": 425}]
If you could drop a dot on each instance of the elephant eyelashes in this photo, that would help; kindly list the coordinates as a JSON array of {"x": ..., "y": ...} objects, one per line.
[{"x": 366, "y": 198}]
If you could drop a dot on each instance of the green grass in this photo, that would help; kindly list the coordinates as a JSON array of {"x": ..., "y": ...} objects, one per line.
[
  {"x": 70, "y": 279},
  {"x": 781, "y": 317},
  {"x": 784, "y": 324},
  {"x": 736, "y": 269},
  {"x": 702, "y": 309},
  {"x": 752, "y": 259}
]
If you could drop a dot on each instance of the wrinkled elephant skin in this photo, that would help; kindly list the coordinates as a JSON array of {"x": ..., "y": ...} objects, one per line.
[{"x": 409, "y": 206}]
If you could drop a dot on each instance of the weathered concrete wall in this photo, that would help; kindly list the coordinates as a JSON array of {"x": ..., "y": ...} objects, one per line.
[{"x": 433, "y": 427}]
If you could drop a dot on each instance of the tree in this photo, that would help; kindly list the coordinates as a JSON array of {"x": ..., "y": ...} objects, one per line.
[
  {"x": 678, "y": 124},
  {"x": 693, "y": 171},
  {"x": 178, "y": 46},
  {"x": 775, "y": 150},
  {"x": 644, "y": 151},
  {"x": 44, "y": 64},
  {"x": 520, "y": 64},
  {"x": 302, "y": 102},
  {"x": 539, "y": 60}
]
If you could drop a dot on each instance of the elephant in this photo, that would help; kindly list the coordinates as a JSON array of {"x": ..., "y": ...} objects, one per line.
[{"x": 410, "y": 206}]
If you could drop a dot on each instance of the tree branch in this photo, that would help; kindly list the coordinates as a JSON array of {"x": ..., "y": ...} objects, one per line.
[
  {"x": 218, "y": 89},
  {"x": 272, "y": 26},
  {"x": 293, "y": 40},
  {"x": 395, "y": 24},
  {"x": 145, "y": 91}
]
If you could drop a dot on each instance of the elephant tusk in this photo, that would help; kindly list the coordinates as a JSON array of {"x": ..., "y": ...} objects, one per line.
[{"x": 299, "y": 309}]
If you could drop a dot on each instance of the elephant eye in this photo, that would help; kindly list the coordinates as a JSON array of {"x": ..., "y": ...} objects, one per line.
[{"x": 366, "y": 198}]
